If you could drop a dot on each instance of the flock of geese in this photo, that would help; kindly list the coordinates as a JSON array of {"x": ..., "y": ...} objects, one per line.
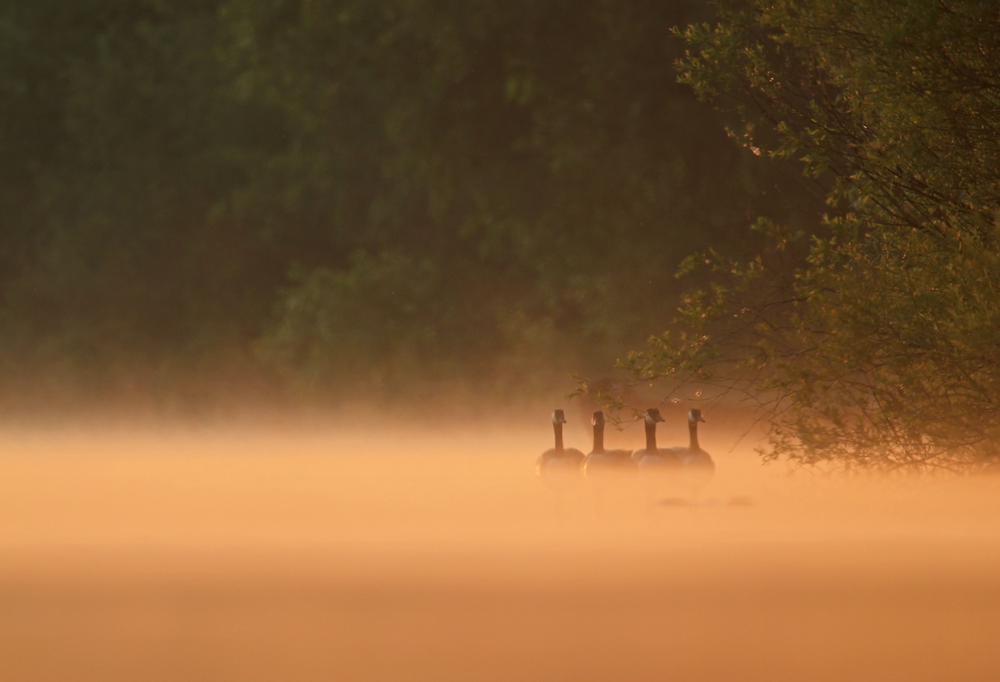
[{"x": 690, "y": 463}]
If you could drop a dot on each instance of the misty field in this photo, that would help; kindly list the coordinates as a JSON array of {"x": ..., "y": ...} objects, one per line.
[{"x": 372, "y": 554}]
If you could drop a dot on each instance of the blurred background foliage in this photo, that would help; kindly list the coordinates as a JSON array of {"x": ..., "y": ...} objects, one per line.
[{"x": 352, "y": 197}]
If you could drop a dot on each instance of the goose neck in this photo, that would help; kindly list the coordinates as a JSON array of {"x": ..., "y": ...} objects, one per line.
[
  {"x": 693, "y": 431},
  {"x": 650, "y": 436},
  {"x": 557, "y": 427},
  {"x": 599, "y": 438}
]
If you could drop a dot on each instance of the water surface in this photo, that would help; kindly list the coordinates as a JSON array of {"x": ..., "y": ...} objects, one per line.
[{"x": 408, "y": 554}]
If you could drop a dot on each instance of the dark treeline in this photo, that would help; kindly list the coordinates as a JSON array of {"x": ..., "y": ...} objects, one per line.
[{"x": 350, "y": 195}]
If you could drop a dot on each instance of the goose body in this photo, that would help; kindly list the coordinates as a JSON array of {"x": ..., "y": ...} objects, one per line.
[
  {"x": 600, "y": 461},
  {"x": 559, "y": 462},
  {"x": 651, "y": 458}
]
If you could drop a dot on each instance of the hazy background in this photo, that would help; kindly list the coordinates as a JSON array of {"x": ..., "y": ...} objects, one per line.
[{"x": 205, "y": 202}]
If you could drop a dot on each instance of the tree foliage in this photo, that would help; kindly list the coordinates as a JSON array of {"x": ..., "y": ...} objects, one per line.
[
  {"x": 125, "y": 140},
  {"x": 350, "y": 194},
  {"x": 540, "y": 155},
  {"x": 874, "y": 342}
]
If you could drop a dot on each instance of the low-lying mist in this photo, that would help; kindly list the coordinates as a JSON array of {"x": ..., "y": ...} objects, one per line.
[{"x": 369, "y": 548}]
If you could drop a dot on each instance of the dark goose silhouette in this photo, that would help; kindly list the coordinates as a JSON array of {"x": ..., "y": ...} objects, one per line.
[
  {"x": 652, "y": 458},
  {"x": 696, "y": 465},
  {"x": 560, "y": 460},
  {"x": 599, "y": 460}
]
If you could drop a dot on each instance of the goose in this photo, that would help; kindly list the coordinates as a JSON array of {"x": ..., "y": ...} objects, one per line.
[
  {"x": 696, "y": 465},
  {"x": 600, "y": 460},
  {"x": 652, "y": 458},
  {"x": 559, "y": 460}
]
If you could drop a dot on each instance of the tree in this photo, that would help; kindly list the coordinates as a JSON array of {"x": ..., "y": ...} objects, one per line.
[
  {"x": 539, "y": 154},
  {"x": 874, "y": 342},
  {"x": 352, "y": 196}
]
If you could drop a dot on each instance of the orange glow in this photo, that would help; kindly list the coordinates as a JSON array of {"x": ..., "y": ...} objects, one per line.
[{"x": 437, "y": 555}]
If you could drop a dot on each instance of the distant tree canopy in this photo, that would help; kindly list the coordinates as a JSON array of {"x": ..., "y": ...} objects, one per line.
[
  {"x": 120, "y": 142},
  {"x": 883, "y": 347},
  {"x": 352, "y": 194}
]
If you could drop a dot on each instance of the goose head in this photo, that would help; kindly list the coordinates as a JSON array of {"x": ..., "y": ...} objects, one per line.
[
  {"x": 694, "y": 416},
  {"x": 558, "y": 417},
  {"x": 653, "y": 416},
  {"x": 598, "y": 419}
]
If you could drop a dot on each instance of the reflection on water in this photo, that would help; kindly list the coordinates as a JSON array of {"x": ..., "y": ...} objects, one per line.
[{"x": 255, "y": 555}]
